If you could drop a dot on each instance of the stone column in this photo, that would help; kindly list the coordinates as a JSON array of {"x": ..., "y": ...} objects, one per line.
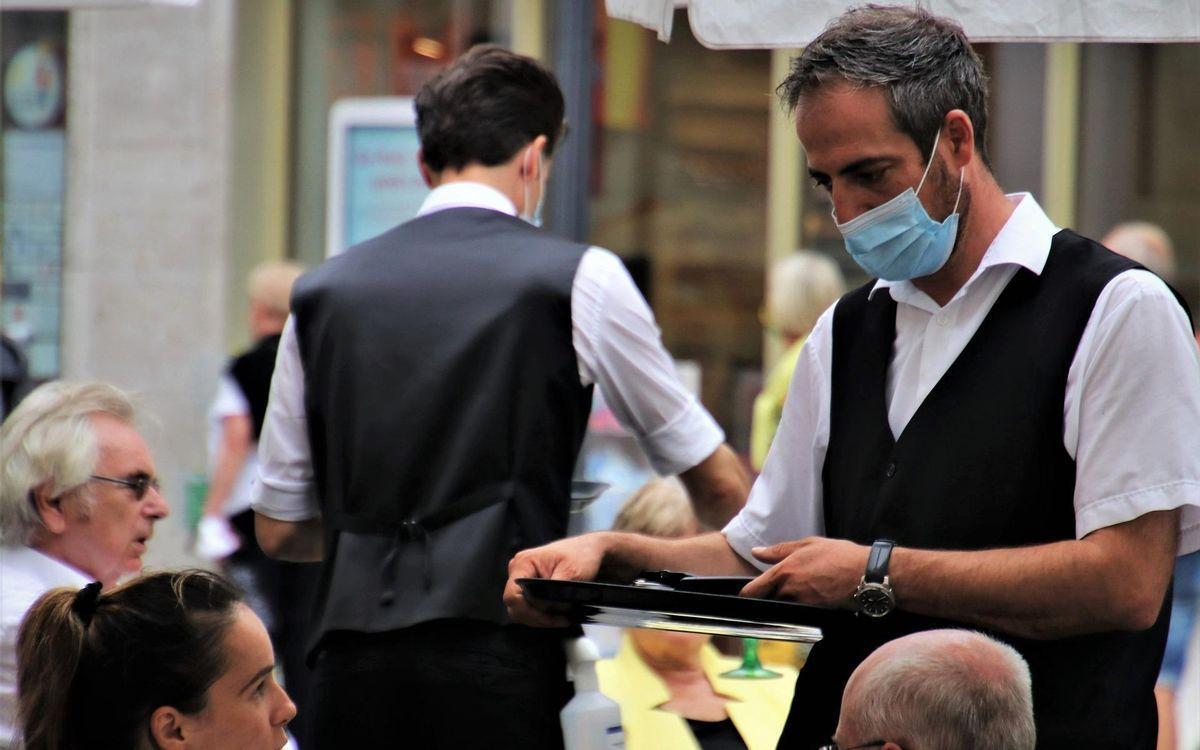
[{"x": 147, "y": 222}]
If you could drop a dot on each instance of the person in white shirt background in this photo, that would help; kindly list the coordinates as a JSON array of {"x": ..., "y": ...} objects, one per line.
[
  {"x": 79, "y": 499},
  {"x": 280, "y": 593}
]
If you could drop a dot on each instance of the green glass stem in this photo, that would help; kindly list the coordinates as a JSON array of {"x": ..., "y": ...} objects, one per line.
[{"x": 751, "y": 668}]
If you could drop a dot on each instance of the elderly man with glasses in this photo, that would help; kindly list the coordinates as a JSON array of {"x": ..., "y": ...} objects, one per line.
[
  {"x": 78, "y": 502},
  {"x": 938, "y": 690}
]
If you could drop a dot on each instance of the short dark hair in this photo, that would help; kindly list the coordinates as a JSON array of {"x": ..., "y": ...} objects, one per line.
[
  {"x": 92, "y": 679},
  {"x": 485, "y": 107},
  {"x": 923, "y": 62}
]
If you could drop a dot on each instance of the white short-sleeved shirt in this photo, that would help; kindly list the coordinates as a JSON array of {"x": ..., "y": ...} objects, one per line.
[
  {"x": 1131, "y": 416},
  {"x": 231, "y": 402},
  {"x": 617, "y": 344},
  {"x": 25, "y": 574}
]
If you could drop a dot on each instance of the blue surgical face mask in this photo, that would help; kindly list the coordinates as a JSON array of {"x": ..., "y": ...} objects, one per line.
[
  {"x": 898, "y": 241},
  {"x": 535, "y": 218}
]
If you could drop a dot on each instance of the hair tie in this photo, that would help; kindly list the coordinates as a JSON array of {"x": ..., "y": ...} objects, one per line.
[{"x": 85, "y": 602}]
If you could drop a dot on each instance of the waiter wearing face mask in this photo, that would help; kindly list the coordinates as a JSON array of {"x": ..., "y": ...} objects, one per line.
[
  {"x": 998, "y": 433},
  {"x": 430, "y": 397}
]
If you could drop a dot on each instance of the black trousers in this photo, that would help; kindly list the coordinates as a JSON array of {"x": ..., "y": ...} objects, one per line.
[{"x": 457, "y": 684}]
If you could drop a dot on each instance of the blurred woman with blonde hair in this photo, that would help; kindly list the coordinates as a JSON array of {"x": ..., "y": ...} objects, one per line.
[{"x": 669, "y": 685}]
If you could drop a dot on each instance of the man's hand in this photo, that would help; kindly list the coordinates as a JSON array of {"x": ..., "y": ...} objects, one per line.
[
  {"x": 814, "y": 570},
  {"x": 575, "y": 559}
]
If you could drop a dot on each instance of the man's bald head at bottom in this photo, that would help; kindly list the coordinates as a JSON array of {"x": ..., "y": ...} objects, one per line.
[{"x": 939, "y": 690}]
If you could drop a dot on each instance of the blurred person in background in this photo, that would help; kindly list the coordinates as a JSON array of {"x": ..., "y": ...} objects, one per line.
[
  {"x": 167, "y": 661},
  {"x": 1149, "y": 245},
  {"x": 1146, "y": 243},
  {"x": 938, "y": 690},
  {"x": 78, "y": 502},
  {"x": 799, "y": 288},
  {"x": 426, "y": 413},
  {"x": 281, "y": 593},
  {"x": 669, "y": 684},
  {"x": 15, "y": 382}
]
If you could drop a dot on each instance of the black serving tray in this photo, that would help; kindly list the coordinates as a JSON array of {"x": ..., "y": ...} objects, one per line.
[{"x": 659, "y": 604}]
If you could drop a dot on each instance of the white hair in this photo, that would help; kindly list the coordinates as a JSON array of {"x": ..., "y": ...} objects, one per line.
[
  {"x": 1146, "y": 243},
  {"x": 799, "y": 288},
  {"x": 49, "y": 439},
  {"x": 949, "y": 690}
]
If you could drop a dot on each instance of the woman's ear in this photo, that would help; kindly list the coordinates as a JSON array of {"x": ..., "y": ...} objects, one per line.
[{"x": 166, "y": 728}]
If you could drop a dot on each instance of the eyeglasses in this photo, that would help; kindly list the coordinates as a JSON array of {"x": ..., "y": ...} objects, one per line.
[
  {"x": 835, "y": 746},
  {"x": 139, "y": 483}
]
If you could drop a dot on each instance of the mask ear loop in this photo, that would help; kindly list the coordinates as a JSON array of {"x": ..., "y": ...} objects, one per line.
[
  {"x": 929, "y": 164},
  {"x": 526, "y": 164},
  {"x": 962, "y": 173}
]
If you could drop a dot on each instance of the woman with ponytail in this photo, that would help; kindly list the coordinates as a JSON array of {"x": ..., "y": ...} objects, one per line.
[{"x": 169, "y": 661}]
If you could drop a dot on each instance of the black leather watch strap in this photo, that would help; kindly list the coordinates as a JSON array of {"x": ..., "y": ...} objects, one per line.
[{"x": 877, "y": 561}]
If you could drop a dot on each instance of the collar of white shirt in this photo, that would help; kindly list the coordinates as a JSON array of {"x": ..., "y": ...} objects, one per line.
[
  {"x": 38, "y": 566},
  {"x": 1024, "y": 240},
  {"x": 466, "y": 195}
]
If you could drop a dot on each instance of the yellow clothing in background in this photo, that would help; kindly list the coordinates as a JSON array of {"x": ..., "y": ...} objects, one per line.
[
  {"x": 768, "y": 407},
  {"x": 758, "y": 708}
]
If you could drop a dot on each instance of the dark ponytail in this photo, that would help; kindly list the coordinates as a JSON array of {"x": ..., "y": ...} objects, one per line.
[{"x": 92, "y": 668}]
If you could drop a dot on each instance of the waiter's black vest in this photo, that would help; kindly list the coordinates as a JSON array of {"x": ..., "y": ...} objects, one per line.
[
  {"x": 445, "y": 413},
  {"x": 252, "y": 371},
  {"x": 980, "y": 465}
]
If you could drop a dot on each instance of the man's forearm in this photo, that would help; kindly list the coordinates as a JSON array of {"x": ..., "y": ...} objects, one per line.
[
  {"x": 718, "y": 486},
  {"x": 1114, "y": 579},
  {"x": 291, "y": 541},
  {"x": 627, "y": 555},
  {"x": 231, "y": 456}
]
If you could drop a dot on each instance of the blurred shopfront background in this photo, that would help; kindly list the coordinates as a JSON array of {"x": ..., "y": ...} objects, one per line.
[{"x": 153, "y": 152}]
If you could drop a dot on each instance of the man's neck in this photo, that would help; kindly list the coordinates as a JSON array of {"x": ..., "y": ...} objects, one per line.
[
  {"x": 990, "y": 210},
  {"x": 499, "y": 178},
  {"x": 53, "y": 549}
]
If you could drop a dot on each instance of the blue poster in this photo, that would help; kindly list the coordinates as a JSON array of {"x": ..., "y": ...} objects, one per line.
[{"x": 383, "y": 183}]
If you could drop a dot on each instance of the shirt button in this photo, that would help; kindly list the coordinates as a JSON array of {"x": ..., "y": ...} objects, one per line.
[
  {"x": 943, "y": 321},
  {"x": 890, "y": 471}
]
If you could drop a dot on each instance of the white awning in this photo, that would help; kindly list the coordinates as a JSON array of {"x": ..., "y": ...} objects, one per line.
[
  {"x": 749, "y": 24},
  {"x": 88, "y": 4}
]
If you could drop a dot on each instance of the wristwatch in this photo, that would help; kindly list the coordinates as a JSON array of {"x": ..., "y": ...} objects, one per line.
[{"x": 874, "y": 595}]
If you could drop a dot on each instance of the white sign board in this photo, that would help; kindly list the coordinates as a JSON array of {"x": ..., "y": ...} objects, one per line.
[{"x": 374, "y": 182}]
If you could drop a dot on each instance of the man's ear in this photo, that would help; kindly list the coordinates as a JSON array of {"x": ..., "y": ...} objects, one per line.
[
  {"x": 426, "y": 173},
  {"x": 960, "y": 136},
  {"x": 531, "y": 164},
  {"x": 167, "y": 728},
  {"x": 49, "y": 508}
]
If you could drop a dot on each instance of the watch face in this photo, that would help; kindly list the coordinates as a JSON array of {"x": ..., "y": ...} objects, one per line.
[{"x": 874, "y": 600}]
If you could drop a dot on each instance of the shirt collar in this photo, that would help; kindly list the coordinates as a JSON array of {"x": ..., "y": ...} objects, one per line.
[
  {"x": 51, "y": 570},
  {"x": 1023, "y": 241},
  {"x": 466, "y": 195}
]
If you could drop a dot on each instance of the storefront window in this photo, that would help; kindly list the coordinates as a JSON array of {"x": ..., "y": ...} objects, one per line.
[
  {"x": 1139, "y": 158},
  {"x": 32, "y": 55},
  {"x": 679, "y": 174},
  {"x": 362, "y": 48}
]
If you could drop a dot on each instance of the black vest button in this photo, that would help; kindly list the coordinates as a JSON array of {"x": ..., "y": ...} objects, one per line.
[{"x": 890, "y": 471}]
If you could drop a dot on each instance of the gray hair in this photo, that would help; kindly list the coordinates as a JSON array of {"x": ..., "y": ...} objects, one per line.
[
  {"x": 799, "y": 288},
  {"x": 924, "y": 64},
  {"x": 49, "y": 438},
  {"x": 1145, "y": 243},
  {"x": 949, "y": 690}
]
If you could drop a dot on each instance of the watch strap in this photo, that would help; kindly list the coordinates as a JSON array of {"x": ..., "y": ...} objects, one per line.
[{"x": 877, "y": 561}]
